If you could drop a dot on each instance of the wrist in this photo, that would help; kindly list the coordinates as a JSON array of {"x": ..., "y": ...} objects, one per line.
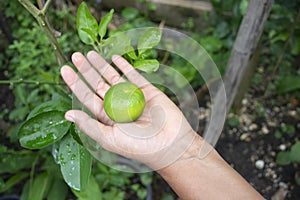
[{"x": 191, "y": 153}]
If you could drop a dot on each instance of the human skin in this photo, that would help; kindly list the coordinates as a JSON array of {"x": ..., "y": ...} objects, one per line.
[{"x": 161, "y": 138}]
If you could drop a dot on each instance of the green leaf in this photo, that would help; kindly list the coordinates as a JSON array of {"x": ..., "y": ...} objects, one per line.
[
  {"x": 147, "y": 54},
  {"x": 288, "y": 84},
  {"x": 52, "y": 105},
  {"x": 233, "y": 121},
  {"x": 75, "y": 163},
  {"x": 90, "y": 33},
  {"x": 116, "y": 45},
  {"x": 19, "y": 113},
  {"x": 33, "y": 95},
  {"x": 25, "y": 191},
  {"x": 147, "y": 66},
  {"x": 211, "y": 44},
  {"x": 3, "y": 148},
  {"x": 296, "y": 46},
  {"x": 39, "y": 187},
  {"x": 104, "y": 23},
  {"x": 13, "y": 181},
  {"x": 58, "y": 190},
  {"x": 86, "y": 21},
  {"x": 146, "y": 178},
  {"x": 149, "y": 39},
  {"x": 91, "y": 192},
  {"x": 21, "y": 94},
  {"x": 64, "y": 99},
  {"x": 75, "y": 134},
  {"x": 43, "y": 129},
  {"x": 114, "y": 194},
  {"x": 131, "y": 52},
  {"x": 130, "y": 13},
  {"x": 142, "y": 193},
  {"x": 283, "y": 158},
  {"x": 16, "y": 161},
  {"x": 152, "y": 6},
  {"x": 243, "y": 6},
  {"x": 295, "y": 152}
]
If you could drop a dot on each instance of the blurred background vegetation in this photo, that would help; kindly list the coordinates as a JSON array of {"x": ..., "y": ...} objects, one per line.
[{"x": 29, "y": 76}]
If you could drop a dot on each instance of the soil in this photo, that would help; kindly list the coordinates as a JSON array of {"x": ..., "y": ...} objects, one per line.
[{"x": 251, "y": 147}]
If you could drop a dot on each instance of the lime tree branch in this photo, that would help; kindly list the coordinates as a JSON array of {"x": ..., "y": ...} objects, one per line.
[
  {"x": 46, "y": 6},
  {"x": 22, "y": 81},
  {"x": 40, "y": 16}
]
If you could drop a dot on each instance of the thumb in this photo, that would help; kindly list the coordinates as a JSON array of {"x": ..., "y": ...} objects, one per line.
[{"x": 94, "y": 129}]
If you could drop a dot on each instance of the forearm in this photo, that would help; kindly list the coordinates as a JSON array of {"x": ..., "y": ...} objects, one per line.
[{"x": 208, "y": 178}]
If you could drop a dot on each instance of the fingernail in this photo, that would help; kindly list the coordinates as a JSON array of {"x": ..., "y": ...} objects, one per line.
[
  {"x": 92, "y": 55},
  {"x": 67, "y": 74},
  {"x": 114, "y": 57},
  {"x": 76, "y": 57},
  {"x": 69, "y": 117}
]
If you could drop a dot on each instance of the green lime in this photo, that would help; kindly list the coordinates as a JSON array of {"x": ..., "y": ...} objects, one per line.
[{"x": 124, "y": 102}]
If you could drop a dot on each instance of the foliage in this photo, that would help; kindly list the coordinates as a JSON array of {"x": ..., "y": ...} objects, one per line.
[
  {"x": 31, "y": 58},
  {"x": 48, "y": 169},
  {"x": 41, "y": 104},
  {"x": 119, "y": 43},
  {"x": 283, "y": 45},
  {"x": 287, "y": 157}
]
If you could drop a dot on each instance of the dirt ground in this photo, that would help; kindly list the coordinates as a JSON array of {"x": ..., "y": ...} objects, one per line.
[{"x": 251, "y": 147}]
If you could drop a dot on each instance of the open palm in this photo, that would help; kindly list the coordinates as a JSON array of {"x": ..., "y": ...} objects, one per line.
[{"x": 158, "y": 137}]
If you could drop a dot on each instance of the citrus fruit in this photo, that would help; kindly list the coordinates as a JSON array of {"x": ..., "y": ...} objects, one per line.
[{"x": 124, "y": 102}]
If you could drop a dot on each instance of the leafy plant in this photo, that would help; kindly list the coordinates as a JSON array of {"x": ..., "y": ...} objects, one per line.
[
  {"x": 291, "y": 156},
  {"x": 92, "y": 33},
  {"x": 56, "y": 146}
]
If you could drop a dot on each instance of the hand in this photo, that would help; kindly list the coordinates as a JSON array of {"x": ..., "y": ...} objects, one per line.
[{"x": 161, "y": 134}]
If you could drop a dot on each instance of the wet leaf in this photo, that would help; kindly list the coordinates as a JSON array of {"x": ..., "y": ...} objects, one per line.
[
  {"x": 53, "y": 105},
  {"x": 43, "y": 129},
  {"x": 75, "y": 163}
]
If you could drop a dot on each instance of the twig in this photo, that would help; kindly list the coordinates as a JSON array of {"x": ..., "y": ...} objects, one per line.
[
  {"x": 22, "y": 81},
  {"x": 30, "y": 7},
  {"x": 46, "y": 6},
  {"x": 40, "y": 16}
]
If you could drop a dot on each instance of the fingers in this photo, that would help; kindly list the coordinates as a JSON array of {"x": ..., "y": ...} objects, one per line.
[
  {"x": 91, "y": 75},
  {"x": 129, "y": 71},
  {"x": 93, "y": 128},
  {"x": 105, "y": 69},
  {"x": 89, "y": 99}
]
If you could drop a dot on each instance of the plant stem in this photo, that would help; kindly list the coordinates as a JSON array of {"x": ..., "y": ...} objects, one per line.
[
  {"x": 46, "y": 6},
  {"x": 40, "y": 16},
  {"x": 22, "y": 81}
]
